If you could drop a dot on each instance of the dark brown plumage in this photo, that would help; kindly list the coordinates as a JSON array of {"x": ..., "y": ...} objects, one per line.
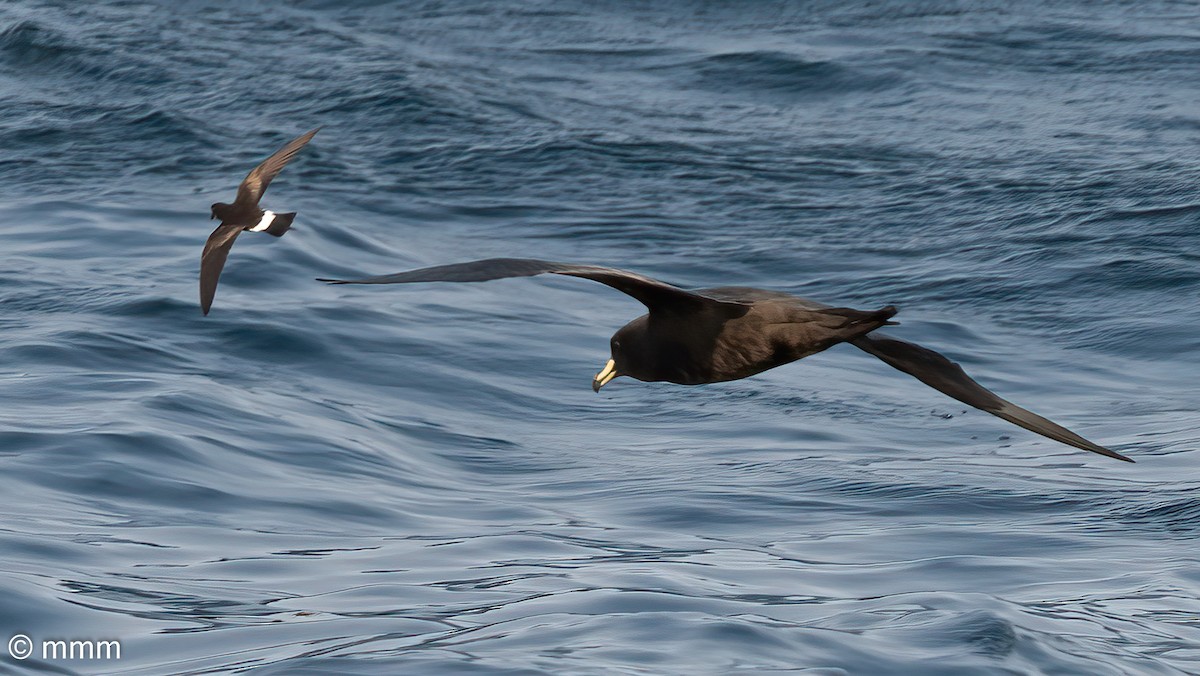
[
  {"x": 728, "y": 333},
  {"x": 245, "y": 214}
]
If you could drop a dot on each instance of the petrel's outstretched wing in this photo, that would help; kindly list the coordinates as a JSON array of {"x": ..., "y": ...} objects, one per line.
[
  {"x": 216, "y": 250},
  {"x": 255, "y": 184},
  {"x": 655, "y": 295},
  {"x": 947, "y": 377}
]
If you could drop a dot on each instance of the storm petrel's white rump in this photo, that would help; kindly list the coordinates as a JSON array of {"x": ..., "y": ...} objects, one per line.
[{"x": 245, "y": 214}]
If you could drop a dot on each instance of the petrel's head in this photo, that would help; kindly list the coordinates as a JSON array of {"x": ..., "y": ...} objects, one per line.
[
  {"x": 218, "y": 209},
  {"x": 633, "y": 354}
]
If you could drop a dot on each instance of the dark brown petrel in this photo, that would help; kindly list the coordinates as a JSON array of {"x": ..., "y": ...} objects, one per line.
[
  {"x": 727, "y": 333},
  {"x": 245, "y": 214}
]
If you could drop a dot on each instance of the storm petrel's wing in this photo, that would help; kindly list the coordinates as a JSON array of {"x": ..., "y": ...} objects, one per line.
[
  {"x": 255, "y": 184},
  {"x": 216, "y": 250}
]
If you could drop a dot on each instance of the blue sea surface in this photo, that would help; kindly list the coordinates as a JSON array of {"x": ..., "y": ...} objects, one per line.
[{"x": 419, "y": 479}]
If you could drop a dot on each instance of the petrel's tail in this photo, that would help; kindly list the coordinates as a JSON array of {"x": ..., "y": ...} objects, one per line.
[{"x": 280, "y": 224}]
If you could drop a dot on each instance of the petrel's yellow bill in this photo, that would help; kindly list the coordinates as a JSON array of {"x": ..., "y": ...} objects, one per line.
[{"x": 606, "y": 374}]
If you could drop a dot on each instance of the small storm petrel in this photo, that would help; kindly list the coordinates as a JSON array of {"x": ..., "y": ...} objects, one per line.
[
  {"x": 729, "y": 333},
  {"x": 245, "y": 214}
]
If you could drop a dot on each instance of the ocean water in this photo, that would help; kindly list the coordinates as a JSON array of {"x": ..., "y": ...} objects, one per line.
[{"x": 419, "y": 479}]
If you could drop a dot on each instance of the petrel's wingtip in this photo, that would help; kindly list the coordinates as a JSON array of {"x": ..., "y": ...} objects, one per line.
[{"x": 1107, "y": 452}]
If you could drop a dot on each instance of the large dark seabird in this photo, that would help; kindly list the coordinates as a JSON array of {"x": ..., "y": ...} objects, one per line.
[
  {"x": 245, "y": 214},
  {"x": 712, "y": 335},
  {"x": 728, "y": 333}
]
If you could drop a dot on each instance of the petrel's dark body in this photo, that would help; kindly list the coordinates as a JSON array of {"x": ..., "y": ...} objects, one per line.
[
  {"x": 728, "y": 333},
  {"x": 245, "y": 214}
]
